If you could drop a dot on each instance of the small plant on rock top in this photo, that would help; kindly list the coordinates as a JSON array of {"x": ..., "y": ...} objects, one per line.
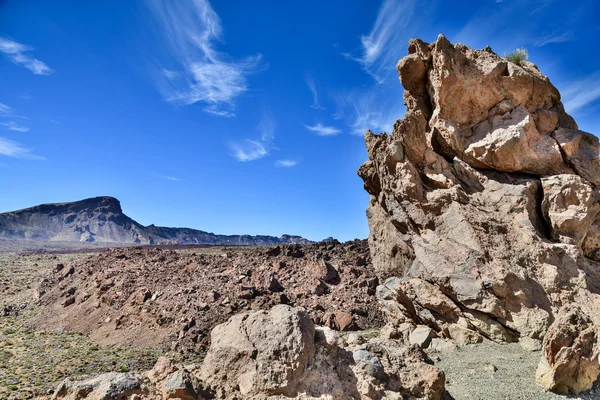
[{"x": 519, "y": 56}]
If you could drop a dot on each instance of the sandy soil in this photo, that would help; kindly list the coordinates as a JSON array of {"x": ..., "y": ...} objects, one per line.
[{"x": 491, "y": 371}]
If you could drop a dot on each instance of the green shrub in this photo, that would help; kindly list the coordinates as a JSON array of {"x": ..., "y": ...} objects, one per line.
[
  {"x": 519, "y": 56},
  {"x": 5, "y": 355}
]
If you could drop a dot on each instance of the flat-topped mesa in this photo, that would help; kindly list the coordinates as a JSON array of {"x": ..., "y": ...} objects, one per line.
[{"x": 484, "y": 210}]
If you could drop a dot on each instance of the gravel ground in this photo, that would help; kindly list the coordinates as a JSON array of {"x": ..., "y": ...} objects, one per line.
[{"x": 491, "y": 371}]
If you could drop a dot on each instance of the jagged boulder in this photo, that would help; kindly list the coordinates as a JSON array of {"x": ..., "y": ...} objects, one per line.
[
  {"x": 570, "y": 362},
  {"x": 484, "y": 207},
  {"x": 570, "y": 206},
  {"x": 112, "y": 385},
  {"x": 165, "y": 381},
  {"x": 260, "y": 353},
  {"x": 370, "y": 369},
  {"x": 280, "y": 354}
]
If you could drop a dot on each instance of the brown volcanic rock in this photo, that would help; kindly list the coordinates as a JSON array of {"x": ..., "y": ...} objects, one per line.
[
  {"x": 571, "y": 357},
  {"x": 484, "y": 200},
  {"x": 280, "y": 354},
  {"x": 260, "y": 352},
  {"x": 152, "y": 296},
  {"x": 277, "y": 354}
]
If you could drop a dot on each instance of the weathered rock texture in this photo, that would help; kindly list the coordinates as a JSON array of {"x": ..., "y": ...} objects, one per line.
[
  {"x": 277, "y": 354},
  {"x": 261, "y": 352},
  {"x": 165, "y": 381},
  {"x": 484, "y": 209},
  {"x": 570, "y": 360}
]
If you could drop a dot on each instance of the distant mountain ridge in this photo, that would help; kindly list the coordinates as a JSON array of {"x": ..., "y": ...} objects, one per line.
[{"x": 101, "y": 220}]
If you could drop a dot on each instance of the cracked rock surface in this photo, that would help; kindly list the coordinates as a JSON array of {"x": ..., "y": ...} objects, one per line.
[{"x": 484, "y": 207}]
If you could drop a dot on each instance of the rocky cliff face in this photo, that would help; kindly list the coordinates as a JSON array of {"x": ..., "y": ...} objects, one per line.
[
  {"x": 98, "y": 219},
  {"x": 484, "y": 209},
  {"x": 101, "y": 220}
]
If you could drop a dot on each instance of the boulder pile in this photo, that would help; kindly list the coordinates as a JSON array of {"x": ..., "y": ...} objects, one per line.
[
  {"x": 173, "y": 298},
  {"x": 484, "y": 212},
  {"x": 276, "y": 354}
]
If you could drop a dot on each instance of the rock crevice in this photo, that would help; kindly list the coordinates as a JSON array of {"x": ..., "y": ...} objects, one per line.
[{"x": 484, "y": 208}]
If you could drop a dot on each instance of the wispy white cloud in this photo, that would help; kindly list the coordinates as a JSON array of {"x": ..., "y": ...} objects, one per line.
[
  {"x": 9, "y": 112},
  {"x": 170, "y": 74},
  {"x": 13, "y": 126},
  {"x": 381, "y": 48},
  {"x": 52, "y": 121},
  {"x": 4, "y": 109},
  {"x": 540, "y": 5},
  {"x": 312, "y": 86},
  {"x": 248, "y": 150},
  {"x": 556, "y": 37},
  {"x": 286, "y": 163},
  {"x": 170, "y": 178},
  {"x": 214, "y": 110},
  {"x": 12, "y": 149},
  {"x": 579, "y": 94},
  {"x": 323, "y": 130},
  {"x": 197, "y": 72},
  {"x": 254, "y": 149},
  {"x": 266, "y": 127},
  {"x": 17, "y": 53},
  {"x": 376, "y": 109},
  {"x": 377, "y": 106}
]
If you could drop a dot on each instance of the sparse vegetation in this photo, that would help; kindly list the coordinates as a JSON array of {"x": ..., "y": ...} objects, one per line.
[
  {"x": 519, "y": 56},
  {"x": 32, "y": 362},
  {"x": 64, "y": 354}
]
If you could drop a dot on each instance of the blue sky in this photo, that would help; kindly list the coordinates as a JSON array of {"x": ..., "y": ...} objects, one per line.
[{"x": 239, "y": 116}]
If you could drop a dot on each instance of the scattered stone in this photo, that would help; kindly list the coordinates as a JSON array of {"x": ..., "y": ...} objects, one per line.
[
  {"x": 339, "y": 320},
  {"x": 68, "y": 301},
  {"x": 530, "y": 344},
  {"x": 327, "y": 273},
  {"x": 274, "y": 251},
  {"x": 421, "y": 336},
  {"x": 274, "y": 286},
  {"x": 355, "y": 339},
  {"x": 321, "y": 288},
  {"x": 369, "y": 363},
  {"x": 179, "y": 385},
  {"x": 106, "y": 386},
  {"x": 442, "y": 345},
  {"x": 157, "y": 288}
]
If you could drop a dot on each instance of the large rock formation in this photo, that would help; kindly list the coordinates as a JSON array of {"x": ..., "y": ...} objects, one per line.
[
  {"x": 484, "y": 212},
  {"x": 101, "y": 220}
]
